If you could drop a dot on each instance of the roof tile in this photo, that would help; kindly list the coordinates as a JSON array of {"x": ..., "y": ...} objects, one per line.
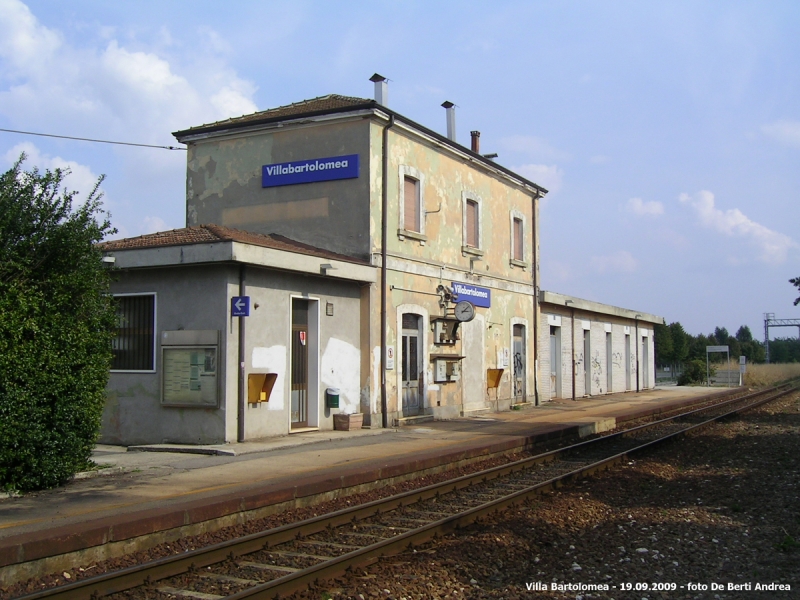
[
  {"x": 206, "y": 234},
  {"x": 313, "y": 105}
]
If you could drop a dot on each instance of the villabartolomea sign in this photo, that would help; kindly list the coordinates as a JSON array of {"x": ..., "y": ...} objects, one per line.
[
  {"x": 308, "y": 171},
  {"x": 479, "y": 296}
]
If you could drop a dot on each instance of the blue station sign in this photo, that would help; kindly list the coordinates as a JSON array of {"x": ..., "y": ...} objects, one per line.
[
  {"x": 479, "y": 296},
  {"x": 240, "y": 306},
  {"x": 309, "y": 171}
]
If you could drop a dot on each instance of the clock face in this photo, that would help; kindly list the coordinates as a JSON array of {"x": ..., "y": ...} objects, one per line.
[{"x": 465, "y": 311}]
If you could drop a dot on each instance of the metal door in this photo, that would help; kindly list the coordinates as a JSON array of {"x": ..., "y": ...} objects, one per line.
[
  {"x": 587, "y": 363},
  {"x": 609, "y": 364},
  {"x": 411, "y": 365},
  {"x": 628, "y": 362},
  {"x": 645, "y": 364},
  {"x": 518, "y": 335},
  {"x": 299, "y": 363},
  {"x": 555, "y": 362}
]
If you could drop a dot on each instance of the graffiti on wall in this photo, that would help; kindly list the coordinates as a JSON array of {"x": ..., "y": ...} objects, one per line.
[{"x": 596, "y": 370}]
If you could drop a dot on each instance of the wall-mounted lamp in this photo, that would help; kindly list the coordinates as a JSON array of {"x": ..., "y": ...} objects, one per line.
[{"x": 109, "y": 260}]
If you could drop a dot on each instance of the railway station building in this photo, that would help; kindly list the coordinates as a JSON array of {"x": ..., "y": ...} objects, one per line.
[{"x": 384, "y": 270}]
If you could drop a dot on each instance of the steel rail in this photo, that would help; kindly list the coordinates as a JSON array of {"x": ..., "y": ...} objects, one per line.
[
  {"x": 144, "y": 574},
  {"x": 300, "y": 580}
]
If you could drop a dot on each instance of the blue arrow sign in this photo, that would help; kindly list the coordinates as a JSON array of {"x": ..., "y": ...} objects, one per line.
[{"x": 240, "y": 306}]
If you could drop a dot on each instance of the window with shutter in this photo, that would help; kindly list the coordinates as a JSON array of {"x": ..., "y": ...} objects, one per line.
[
  {"x": 472, "y": 224},
  {"x": 411, "y": 210},
  {"x": 518, "y": 232}
]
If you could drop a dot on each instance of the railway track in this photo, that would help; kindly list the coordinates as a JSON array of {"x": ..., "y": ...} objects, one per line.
[{"x": 286, "y": 559}]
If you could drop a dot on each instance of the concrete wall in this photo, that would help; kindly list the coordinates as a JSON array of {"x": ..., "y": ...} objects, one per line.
[
  {"x": 597, "y": 362},
  {"x": 188, "y": 298},
  {"x": 223, "y": 186},
  {"x": 198, "y": 297}
]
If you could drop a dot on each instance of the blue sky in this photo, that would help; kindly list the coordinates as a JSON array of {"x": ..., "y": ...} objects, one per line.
[{"x": 668, "y": 133}]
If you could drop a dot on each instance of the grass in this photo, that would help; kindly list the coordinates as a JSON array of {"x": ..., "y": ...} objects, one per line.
[{"x": 765, "y": 375}]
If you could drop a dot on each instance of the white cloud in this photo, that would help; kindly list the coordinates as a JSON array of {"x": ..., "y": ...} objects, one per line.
[
  {"x": 547, "y": 176},
  {"x": 81, "y": 178},
  {"x": 534, "y": 147},
  {"x": 619, "y": 262},
  {"x": 111, "y": 90},
  {"x": 774, "y": 246},
  {"x": 785, "y": 131},
  {"x": 649, "y": 208},
  {"x": 153, "y": 224}
]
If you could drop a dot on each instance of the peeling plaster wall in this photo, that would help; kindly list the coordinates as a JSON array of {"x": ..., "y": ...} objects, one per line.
[
  {"x": 417, "y": 266},
  {"x": 223, "y": 186}
]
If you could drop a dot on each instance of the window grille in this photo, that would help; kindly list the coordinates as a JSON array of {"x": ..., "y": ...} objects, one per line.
[{"x": 133, "y": 346}]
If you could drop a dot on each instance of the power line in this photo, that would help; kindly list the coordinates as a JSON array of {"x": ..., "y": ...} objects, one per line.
[{"x": 81, "y": 139}]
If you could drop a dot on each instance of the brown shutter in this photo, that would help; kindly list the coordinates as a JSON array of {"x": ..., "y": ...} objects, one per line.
[
  {"x": 518, "y": 255},
  {"x": 411, "y": 204},
  {"x": 472, "y": 223}
]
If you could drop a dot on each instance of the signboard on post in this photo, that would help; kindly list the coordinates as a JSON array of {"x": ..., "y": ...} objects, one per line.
[{"x": 710, "y": 349}]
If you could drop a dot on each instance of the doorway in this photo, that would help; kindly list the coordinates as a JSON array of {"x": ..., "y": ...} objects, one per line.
[
  {"x": 411, "y": 364},
  {"x": 628, "y": 362},
  {"x": 555, "y": 362},
  {"x": 645, "y": 364},
  {"x": 587, "y": 365},
  {"x": 300, "y": 344},
  {"x": 518, "y": 344},
  {"x": 609, "y": 364}
]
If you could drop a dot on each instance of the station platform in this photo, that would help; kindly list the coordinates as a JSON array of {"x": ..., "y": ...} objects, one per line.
[{"x": 160, "y": 493}]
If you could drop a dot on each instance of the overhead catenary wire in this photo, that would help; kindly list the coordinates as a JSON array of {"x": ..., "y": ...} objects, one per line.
[{"x": 83, "y": 139}]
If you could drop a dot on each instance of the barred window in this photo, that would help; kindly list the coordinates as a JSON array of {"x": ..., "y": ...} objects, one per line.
[{"x": 134, "y": 345}]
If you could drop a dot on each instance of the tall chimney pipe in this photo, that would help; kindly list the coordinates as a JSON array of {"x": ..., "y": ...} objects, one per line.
[
  {"x": 476, "y": 141},
  {"x": 451, "y": 120},
  {"x": 381, "y": 89}
]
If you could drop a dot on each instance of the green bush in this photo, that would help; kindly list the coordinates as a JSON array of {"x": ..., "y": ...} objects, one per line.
[
  {"x": 694, "y": 371},
  {"x": 56, "y": 324}
]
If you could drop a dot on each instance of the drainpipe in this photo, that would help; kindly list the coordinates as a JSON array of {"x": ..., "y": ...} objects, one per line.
[
  {"x": 384, "y": 236},
  {"x": 535, "y": 273},
  {"x": 240, "y": 410},
  {"x": 574, "y": 366},
  {"x": 636, "y": 318}
]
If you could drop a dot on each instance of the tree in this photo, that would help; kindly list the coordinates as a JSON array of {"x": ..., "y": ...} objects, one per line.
[
  {"x": 796, "y": 283},
  {"x": 743, "y": 334},
  {"x": 56, "y": 324},
  {"x": 680, "y": 342},
  {"x": 663, "y": 344}
]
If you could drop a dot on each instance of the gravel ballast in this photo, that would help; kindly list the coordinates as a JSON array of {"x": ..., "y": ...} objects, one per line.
[{"x": 716, "y": 510}]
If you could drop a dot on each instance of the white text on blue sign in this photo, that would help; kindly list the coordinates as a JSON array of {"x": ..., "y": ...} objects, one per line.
[
  {"x": 479, "y": 296},
  {"x": 309, "y": 171}
]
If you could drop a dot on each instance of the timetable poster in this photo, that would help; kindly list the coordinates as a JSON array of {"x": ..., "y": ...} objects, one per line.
[{"x": 190, "y": 376}]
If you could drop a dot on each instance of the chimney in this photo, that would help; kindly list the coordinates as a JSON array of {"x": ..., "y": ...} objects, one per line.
[
  {"x": 381, "y": 89},
  {"x": 476, "y": 141},
  {"x": 451, "y": 120}
]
